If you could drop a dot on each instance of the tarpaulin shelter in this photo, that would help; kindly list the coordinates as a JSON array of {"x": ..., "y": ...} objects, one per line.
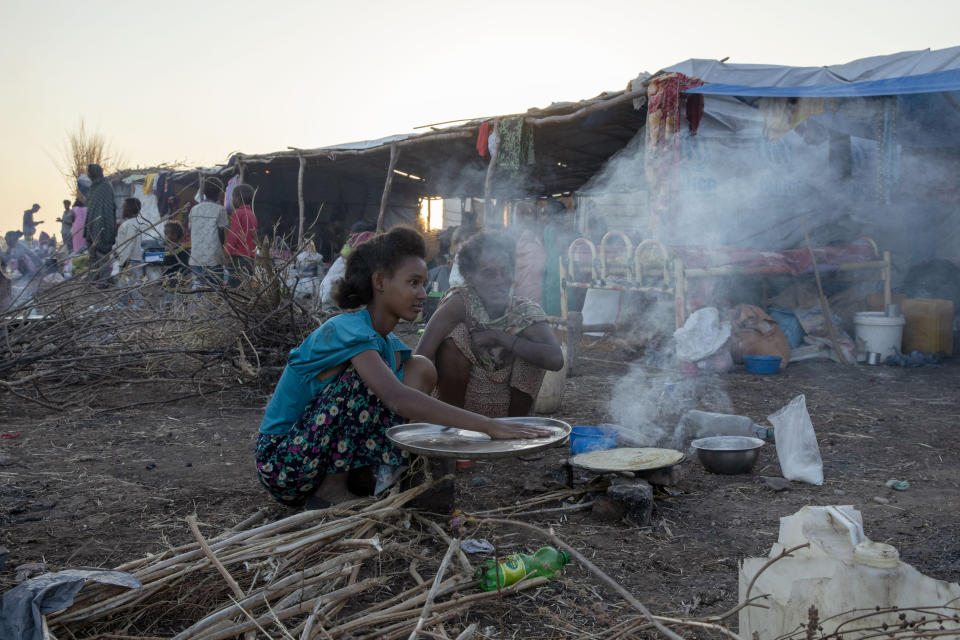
[
  {"x": 385, "y": 179},
  {"x": 736, "y": 159},
  {"x": 868, "y": 146}
]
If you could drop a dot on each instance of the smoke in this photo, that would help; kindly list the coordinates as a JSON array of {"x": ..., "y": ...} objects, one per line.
[
  {"x": 647, "y": 405},
  {"x": 843, "y": 168},
  {"x": 846, "y": 167}
]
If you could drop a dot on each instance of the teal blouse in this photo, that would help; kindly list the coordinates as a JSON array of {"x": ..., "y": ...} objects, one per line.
[{"x": 333, "y": 343}]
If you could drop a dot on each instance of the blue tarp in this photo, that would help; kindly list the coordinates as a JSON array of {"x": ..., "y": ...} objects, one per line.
[{"x": 936, "y": 82}]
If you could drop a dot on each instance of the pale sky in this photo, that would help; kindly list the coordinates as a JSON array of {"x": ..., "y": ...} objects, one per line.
[{"x": 194, "y": 81}]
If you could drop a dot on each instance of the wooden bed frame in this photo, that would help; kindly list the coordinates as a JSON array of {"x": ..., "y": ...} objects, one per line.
[{"x": 650, "y": 267}]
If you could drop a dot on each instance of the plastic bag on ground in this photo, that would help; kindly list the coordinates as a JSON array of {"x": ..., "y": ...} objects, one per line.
[
  {"x": 22, "y": 607},
  {"x": 797, "y": 447},
  {"x": 701, "y": 336},
  {"x": 755, "y": 333}
]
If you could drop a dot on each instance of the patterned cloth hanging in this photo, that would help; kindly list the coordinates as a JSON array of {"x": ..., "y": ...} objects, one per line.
[{"x": 666, "y": 100}]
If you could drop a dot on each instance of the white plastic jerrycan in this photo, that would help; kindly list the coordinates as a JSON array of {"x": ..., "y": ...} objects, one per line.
[
  {"x": 840, "y": 572},
  {"x": 551, "y": 391}
]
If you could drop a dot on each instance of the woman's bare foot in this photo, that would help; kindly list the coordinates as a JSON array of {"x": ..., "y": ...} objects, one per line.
[
  {"x": 333, "y": 490},
  {"x": 336, "y": 497}
]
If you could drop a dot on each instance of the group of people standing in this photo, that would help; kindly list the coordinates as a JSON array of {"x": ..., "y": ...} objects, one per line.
[{"x": 213, "y": 242}]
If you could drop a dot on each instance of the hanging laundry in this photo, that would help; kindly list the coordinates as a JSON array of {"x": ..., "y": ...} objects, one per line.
[
  {"x": 148, "y": 183},
  {"x": 783, "y": 115},
  {"x": 516, "y": 143},
  {"x": 776, "y": 117},
  {"x": 666, "y": 101},
  {"x": 228, "y": 193},
  {"x": 482, "y": 135},
  {"x": 159, "y": 185}
]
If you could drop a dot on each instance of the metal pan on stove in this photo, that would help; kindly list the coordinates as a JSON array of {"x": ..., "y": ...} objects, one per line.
[{"x": 435, "y": 441}]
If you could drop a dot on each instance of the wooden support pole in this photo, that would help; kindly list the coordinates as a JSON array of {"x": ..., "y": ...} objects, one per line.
[
  {"x": 574, "y": 336},
  {"x": 488, "y": 216},
  {"x": 598, "y": 106},
  {"x": 394, "y": 154},
  {"x": 303, "y": 166},
  {"x": 824, "y": 303},
  {"x": 680, "y": 292},
  {"x": 564, "y": 302},
  {"x": 887, "y": 294}
]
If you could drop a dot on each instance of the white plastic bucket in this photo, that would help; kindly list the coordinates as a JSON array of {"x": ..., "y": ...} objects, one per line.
[
  {"x": 551, "y": 391},
  {"x": 878, "y": 333}
]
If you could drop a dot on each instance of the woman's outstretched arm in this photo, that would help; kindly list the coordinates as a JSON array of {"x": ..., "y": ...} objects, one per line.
[{"x": 419, "y": 407}]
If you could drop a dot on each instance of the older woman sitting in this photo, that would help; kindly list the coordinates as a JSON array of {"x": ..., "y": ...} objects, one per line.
[{"x": 491, "y": 349}]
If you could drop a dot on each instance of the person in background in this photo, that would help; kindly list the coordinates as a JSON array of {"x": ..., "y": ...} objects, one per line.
[
  {"x": 29, "y": 224},
  {"x": 176, "y": 262},
  {"x": 463, "y": 233},
  {"x": 128, "y": 252},
  {"x": 6, "y": 287},
  {"x": 46, "y": 245},
  {"x": 242, "y": 235},
  {"x": 360, "y": 232},
  {"x": 557, "y": 236},
  {"x": 438, "y": 276},
  {"x": 208, "y": 223},
  {"x": 491, "y": 349},
  {"x": 531, "y": 257},
  {"x": 353, "y": 378},
  {"x": 100, "y": 227},
  {"x": 76, "y": 229},
  {"x": 66, "y": 224},
  {"x": 136, "y": 235},
  {"x": 19, "y": 256}
]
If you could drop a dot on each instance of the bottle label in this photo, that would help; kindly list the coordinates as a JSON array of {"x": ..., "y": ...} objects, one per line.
[{"x": 513, "y": 568}]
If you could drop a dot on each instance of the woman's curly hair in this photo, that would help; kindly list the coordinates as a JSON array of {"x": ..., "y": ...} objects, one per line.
[
  {"x": 469, "y": 256},
  {"x": 384, "y": 252}
]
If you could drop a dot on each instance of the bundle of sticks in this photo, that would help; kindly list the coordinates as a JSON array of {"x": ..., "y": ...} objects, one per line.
[
  {"x": 72, "y": 336},
  {"x": 333, "y": 573}
]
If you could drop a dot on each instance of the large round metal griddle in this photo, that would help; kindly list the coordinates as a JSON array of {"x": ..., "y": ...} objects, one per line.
[
  {"x": 434, "y": 441},
  {"x": 627, "y": 459}
]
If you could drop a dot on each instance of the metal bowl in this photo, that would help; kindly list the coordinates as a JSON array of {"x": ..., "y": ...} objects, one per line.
[{"x": 728, "y": 455}]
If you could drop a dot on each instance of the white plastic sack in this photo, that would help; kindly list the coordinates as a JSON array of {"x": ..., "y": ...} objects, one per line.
[
  {"x": 796, "y": 441},
  {"x": 701, "y": 335}
]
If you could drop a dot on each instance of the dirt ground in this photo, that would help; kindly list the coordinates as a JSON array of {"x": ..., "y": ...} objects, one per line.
[{"x": 98, "y": 490}]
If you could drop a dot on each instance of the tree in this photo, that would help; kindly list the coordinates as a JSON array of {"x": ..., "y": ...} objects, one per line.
[{"x": 85, "y": 147}]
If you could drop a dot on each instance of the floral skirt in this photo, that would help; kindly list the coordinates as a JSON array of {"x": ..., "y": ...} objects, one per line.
[{"x": 343, "y": 428}]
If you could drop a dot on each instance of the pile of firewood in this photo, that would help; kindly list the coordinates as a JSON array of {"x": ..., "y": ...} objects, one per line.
[
  {"x": 71, "y": 337},
  {"x": 332, "y": 573}
]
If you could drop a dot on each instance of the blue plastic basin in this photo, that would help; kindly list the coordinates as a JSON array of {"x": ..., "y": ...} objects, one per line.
[
  {"x": 762, "y": 364},
  {"x": 583, "y": 439}
]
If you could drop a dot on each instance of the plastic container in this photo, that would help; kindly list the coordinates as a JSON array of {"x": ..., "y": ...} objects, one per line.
[
  {"x": 878, "y": 333},
  {"x": 583, "y": 439},
  {"x": 551, "y": 391},
  {"x": 703, "y": 424},
  {"x": 764, "y": 365},
  {"x": 518, "y": 566},
  {"x": 845, "y": 575},
  {"x": 929, "y": 325}
]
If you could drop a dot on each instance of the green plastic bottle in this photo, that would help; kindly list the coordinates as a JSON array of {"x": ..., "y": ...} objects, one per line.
[{"x": 517, "y": 566}]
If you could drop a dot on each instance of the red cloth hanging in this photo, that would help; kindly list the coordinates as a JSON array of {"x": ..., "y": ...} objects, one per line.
[{"x": 482, "y": 137}]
